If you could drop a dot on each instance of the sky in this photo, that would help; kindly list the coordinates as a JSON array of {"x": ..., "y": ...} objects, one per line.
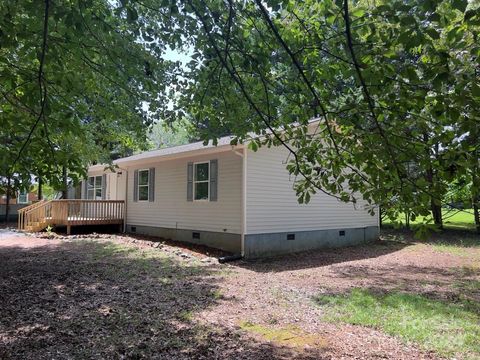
[{"x": 175, "y": 55}]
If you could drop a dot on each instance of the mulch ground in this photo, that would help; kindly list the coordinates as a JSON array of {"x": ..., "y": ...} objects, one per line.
[{"x": 109, "y": 297}]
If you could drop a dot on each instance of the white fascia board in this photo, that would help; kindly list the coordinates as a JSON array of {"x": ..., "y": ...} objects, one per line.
[{"x": 140, "y": 161}]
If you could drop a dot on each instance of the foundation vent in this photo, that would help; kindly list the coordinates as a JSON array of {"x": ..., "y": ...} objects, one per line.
[
  {"x": 195, "y": 235},
  {"x": 341, "y": 233},
  {"x": 290, "y": 236}
]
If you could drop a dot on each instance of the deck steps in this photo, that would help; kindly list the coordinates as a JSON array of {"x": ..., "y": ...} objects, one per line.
[
  {"x": 36, "y": 226},
  {"x": 38, "y": 216}
]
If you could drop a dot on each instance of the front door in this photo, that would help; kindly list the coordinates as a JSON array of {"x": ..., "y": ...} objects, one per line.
[{"x": 121, "y": 183}]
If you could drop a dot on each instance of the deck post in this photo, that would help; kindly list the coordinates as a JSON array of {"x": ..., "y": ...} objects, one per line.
[{"x": 69, "y": 229}]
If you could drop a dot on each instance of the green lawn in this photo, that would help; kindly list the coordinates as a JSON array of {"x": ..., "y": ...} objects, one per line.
[
  {"x": 450, "y": 329},
  {"x": 452, "y": 219},
  {"x": 463, "y": 246}
]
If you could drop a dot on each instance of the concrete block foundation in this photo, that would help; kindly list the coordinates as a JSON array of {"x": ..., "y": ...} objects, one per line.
[
  {"x": 219, "y": 240},
  {"x": 266, "y": 245}
]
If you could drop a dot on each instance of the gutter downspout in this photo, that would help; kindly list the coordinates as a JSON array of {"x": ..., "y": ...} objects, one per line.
[
  {"x": 124, "y": 171},
  {"x": 126, "y": 202}
]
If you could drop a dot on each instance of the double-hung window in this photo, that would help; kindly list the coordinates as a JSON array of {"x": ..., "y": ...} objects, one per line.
[
  {"x": 143, "y": 184},
  {"x": 22, "y": 197},
  {"x": 94, "y": 188},
  {"x": 201, "y": 181}
]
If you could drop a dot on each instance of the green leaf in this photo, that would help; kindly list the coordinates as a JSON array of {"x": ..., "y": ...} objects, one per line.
[
  {"x": 460, "y": 5},
  {"x": 358, "y": 12},
  {"x": 132, "y": 14},
  {"x": 433, "y": 33},
  {"x": 475, "y": 90},
  {"x": 252, "y": 145}
]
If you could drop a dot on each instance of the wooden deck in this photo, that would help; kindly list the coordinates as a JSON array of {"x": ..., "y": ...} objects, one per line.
[{"x": 38, "y": 216}]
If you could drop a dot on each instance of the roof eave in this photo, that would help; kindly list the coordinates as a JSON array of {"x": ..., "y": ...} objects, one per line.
[{"x": 126, "y": 162}]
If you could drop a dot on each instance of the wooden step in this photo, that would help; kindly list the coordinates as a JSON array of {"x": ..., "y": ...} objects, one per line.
[{"x": 36, "y": 226}]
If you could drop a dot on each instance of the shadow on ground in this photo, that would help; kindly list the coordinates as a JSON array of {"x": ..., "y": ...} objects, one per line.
[
  {"x": 445, "y": 284},
  {"x": 323, "y": 258},
  {"x": 98, "y": 300}
]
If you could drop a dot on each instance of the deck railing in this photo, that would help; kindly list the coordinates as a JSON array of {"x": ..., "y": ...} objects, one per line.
[
  {"x": 89, "y": 211},
  {"x": 71, "y": 212}
]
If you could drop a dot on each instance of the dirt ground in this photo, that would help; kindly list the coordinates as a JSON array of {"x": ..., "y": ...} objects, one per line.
[{"x": 111, "y": 297}]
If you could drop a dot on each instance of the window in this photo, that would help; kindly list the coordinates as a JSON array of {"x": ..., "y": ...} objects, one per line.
[
  {"x": 22, "y": 197},
  {"x": 143, "y": 185},
  {"x": 201, "y": 181},
  {"x": 94, "y": 188}
]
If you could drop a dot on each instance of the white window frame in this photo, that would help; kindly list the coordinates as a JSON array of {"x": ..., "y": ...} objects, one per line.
[
  {"x": 147, "y": 185},
  {"x": 200, "y": 181},
  {"x": 95, "y": 187},
  {"x": 22, "y": 193}
]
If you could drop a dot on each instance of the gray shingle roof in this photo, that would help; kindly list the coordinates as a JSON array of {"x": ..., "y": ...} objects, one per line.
[{"x": 222, "y": 142}]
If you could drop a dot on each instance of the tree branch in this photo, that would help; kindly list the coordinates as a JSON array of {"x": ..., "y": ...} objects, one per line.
[
  {"x": 246, "y": 95},
  {"x": 43, "y": 90},
  {"x": 366, "y": 93}
]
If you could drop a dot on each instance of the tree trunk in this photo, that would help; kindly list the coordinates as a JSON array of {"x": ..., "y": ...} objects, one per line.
[
  {"x": 476, "y": 215},
  {"x": 437, "y": 214},
  {"x": 476, "y": 197},
  {"x": 407, "y": 220},
  {"x": 380, "y": 217},
  {"x": 476, "y": 212},
  {"x": 435, "y": 204},
  {"x": 7, "y": 204},
  {"x": 65, "y": 183},
  {"x": 39, "y": 191}
]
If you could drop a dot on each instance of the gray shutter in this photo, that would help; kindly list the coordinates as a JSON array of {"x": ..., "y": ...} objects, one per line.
[
  {"x": 135, "y": 185},
  {"x": 104, "y": 186},
  {"x": 85, "y": 189},
  {"x": 151, "y": 184},
  {"x": 213, "y": 180},
  {"x": 190, "y": 181}
]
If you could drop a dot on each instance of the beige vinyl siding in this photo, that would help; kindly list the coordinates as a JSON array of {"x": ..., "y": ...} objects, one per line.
[
  {"x": 171, "y": 208},
  {"x": 272, "y": 205}
]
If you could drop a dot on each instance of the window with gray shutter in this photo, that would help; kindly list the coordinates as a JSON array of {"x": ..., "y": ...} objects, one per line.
[
  {"x": 190, "y": 181},
  {"x": 201, "y": 181},
  {"x": 151, "y": 185},
  {"x": 213, "y": 180},
  {"x": 143, "y": 184},
  {"x": 135, "y": 185},
  {"x": 104, "y": 186},
  {"x": 85, "y": 189}
]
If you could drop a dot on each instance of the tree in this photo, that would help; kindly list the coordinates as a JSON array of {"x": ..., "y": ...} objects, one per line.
[
  {"x": 79, "y": 80},
  {"x": 392, "y": 83},
  {"x": 163, "y": 135}
]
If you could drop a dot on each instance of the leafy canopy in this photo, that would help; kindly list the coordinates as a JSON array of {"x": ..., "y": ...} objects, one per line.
[
  {"x": 394, "y": 85},
  {"x": 80, "y": 82}
]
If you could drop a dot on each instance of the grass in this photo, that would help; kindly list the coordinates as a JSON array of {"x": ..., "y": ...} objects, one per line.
[
  {"x": 460, "y": 247},
  {"x": 452, "y": 219},
  {"x": 447, "y": 328},
  {"x": 291, "y": 336},
  {"x": 469, "y": 285}
]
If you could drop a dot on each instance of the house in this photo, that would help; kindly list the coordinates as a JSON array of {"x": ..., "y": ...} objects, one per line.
[
  {"x": 227, "y": 197},
  {"x": 20, "y": 200},
  {"x": 21, "y": 197}
]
